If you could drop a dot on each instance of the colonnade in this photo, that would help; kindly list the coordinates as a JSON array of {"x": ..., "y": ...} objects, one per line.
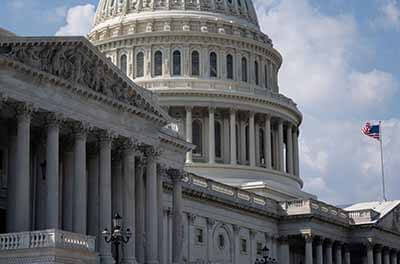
[
  {"x": 379, "y": 254},
  {"x": 280, "y": 139},
  {"x": 79, "y": 178}
]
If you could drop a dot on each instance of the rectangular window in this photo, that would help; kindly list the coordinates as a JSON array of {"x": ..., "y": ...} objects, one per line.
[
  {"x": 243, "y": 245},
  {"x": 199, "y": 236}
]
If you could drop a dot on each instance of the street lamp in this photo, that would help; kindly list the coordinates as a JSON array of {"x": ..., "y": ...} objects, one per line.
[
  {"x": 266, "y": 259},
  {"x": 117, "y": 236}
]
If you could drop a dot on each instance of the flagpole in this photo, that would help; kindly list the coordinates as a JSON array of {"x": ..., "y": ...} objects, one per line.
[{"x": 382, "y": 168}]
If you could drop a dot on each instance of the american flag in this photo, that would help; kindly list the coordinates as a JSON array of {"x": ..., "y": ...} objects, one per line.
[{"x": 373, "y": 131}]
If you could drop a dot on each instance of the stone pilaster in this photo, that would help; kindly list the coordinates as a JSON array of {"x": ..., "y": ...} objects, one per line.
[
  {"x": 211, "y": 133},
  {"x": 267, "y": 142},
  {"x": 252, "y": 143}
]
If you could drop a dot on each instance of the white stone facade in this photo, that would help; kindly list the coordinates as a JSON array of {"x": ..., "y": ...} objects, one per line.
[{"x": 182, "y": 136}]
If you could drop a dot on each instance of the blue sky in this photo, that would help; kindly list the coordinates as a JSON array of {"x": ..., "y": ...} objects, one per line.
[{"x": 341, "y": 65}]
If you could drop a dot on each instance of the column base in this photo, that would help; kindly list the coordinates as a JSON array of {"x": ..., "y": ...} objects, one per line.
[
  {"x": 106, "y": 260},
  {"x": 129, "y": 261}
]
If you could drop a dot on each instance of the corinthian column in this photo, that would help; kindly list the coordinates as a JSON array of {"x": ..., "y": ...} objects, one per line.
[
  {"x": 267, "y": 142},
  {"x": 177, "y": 223},
  {"x": 339, "y": 253},
  {"x": 252, "y": 143},
  {"x": 309, "y": 249},
  {"x": 152, "y": 206},
  {"x": 211, "y": 134},
  {"x": 289, "y": 149},
  {"x": 140, "y": 211},
  {"x": 328, "y": 252},
  {"x": 233, "y": 136},
  {"x": 80, "y": 180},
  {"x": 23, "y": 183},
  {"x": 12, "y": 195},
  {"x": 105, "y": 192},
  {"x": 280, "y": 146},
  {"x": 52, "y": 171},
  {"x": 320, "y": 252},
  {"x": 189, "y": 133},
  {"x": 370, "y": 253},
  {"x": 128, "y": 176}
]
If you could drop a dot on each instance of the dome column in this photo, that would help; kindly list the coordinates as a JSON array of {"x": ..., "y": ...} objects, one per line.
[
  {"x": 280, "y": 146},
  {"x": 233, "y": 136},
  {"x": 296, "y": 169},
  {"x": 211, "y": 133},
  {"x": 189, "y": 133},
  {"x": 252, "y": 143},
  {"x": 289, "y": 149},
  {"x": 267, "y": 142}
]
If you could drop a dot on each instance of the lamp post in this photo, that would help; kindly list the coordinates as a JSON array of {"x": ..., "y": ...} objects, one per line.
[
  {"x": 117, "y": 236},
  {"x": 266, "y": 259}
]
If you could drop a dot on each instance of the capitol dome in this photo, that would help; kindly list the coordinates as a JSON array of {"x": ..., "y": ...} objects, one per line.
[{"x": 217, "y": 75}]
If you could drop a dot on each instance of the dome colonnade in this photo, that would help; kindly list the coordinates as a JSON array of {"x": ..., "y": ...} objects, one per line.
[{"x": 217, "y": 74}]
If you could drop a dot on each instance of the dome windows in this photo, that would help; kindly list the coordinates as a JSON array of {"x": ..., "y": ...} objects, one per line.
[
  {"x": 229, "y": 66},
  {"x": 197, "y": 132},
  {"x": 256, "y": 74},
  {"x": 158, "y": 61},
  {"x": 195, "y": 63},
  {"x": 213, "y": 65},
  {"x": 244, "y": 69},
  {"x": 266, "y": 76},
  {"x": 176, "y": 61},
  {"x": 140, "y": 65},
  {"x": 124, "y": 63}
]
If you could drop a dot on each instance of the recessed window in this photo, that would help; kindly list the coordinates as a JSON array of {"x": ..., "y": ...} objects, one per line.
[
  {"x": 266, "y": 76},
  {"x": 244, "y": 69},
  {"x": 195, "y": 63},
  {"x": 256, "y": 73},
  {"x": 158, "y": 63},
  {"x": 199, "y": 236},
  {"x": 124, "y": 63},
  {"x": 262, "y": 146},
  {"x": 243, "y": 245},
  {"x": 229, "y": 66},
  {"x": 218, "y": 139},
  {"x": 140, "y": 64},
  {"x": 213, "y": 65},
  {"x": 197, "y": 137},
  {"x": 221, "y": 241},
  {"x": 176, "y": 57}
]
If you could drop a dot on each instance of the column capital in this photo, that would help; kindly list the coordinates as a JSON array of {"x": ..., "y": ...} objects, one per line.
[
  {"x": 339, "y": 244},
  {"x": 92, "y": 149},
  {"x": 236, "y": 228},
  {"x": 252, "y": 233},
  {"x": 24, "y": 111},
  {"x": 189, "y": 108},
  {"x": 142, "y": 162},
  {"x": 319, "y": 240},
  {"x": 211, "y": 109},
  {"x": 252, "y": 114},
  {"x": 191, "y": 217},
  {"x": 130, "y": 146},
  {"x": 152, "y": 153},
  {"x": 175, "y": 174},
  {"x": 232, "y": 110},
  {"x": 267, "y": 117},
  {"x": 54, "y": 119},
  {"x": 328, "y": 242},
  {"x": 81, "y": 129},
  {"x": 308, "y": 237}
]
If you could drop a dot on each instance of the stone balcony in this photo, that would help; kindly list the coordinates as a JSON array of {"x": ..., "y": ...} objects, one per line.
[
  {"x": 53, "y": 246},
  {"x": 363, "y": 216},
  {"x": 316, "y": 208}
]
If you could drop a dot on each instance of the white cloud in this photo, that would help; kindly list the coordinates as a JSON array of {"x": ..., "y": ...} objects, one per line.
[
  {"x": 79, "y": 21},
  {"x": 338, "y": 163},
  {"x": 389, "y": 16}
]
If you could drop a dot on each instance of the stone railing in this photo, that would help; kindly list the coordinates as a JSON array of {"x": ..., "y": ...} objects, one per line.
[
  {"x": 363, "y": 216},
  {"x": 231, "y": 194},
  {"x": 46, "y": 239},
  {"x": 314, "y": 207}
]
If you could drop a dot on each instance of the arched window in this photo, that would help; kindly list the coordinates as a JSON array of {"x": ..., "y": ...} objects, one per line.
[
  {"x": 256, "y": 75},
  {"x": 213, "y": 64},
  {"x": 140, "y": 64},
  {"x": 197, "y": 137},
  {"x": 158, "y": 63},
  {"x": 195, "y": 63},
  {"x": 266, "y": 76},
  {"x": 244, "y": 69},
  {"x": 176, "y": 57},
  {"x": 229, "y": 66},
  {"x": 124, "y": 63},
  {"x": 218, "y": 139}
]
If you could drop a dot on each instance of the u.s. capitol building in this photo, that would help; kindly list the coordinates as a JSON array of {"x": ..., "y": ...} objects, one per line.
[{"x": 170, "y": 115}]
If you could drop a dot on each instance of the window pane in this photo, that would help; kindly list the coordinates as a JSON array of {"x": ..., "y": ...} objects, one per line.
[
  {"x": 197, "y": 137},
  {"x": 158, "y": 63},
  {"x": 195, "y": 63},
  {"x": 124, "y": 64},
  {"x": 176, "y": 63},
  {"x": 213, "y": 65},
  {"x": 140, "y": 64},
  {"x": 229, "y": 66},
  {"x": 256, "y": 72},
  {"x": 244, "y": 69},
  {"x": 218, "y": 140}
]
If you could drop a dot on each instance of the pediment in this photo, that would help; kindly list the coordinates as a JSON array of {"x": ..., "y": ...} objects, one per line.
[{"x": 76, "y": 61}]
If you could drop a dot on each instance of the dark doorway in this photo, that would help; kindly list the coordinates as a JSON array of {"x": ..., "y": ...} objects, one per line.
[{"x": 2, "y": 221}]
